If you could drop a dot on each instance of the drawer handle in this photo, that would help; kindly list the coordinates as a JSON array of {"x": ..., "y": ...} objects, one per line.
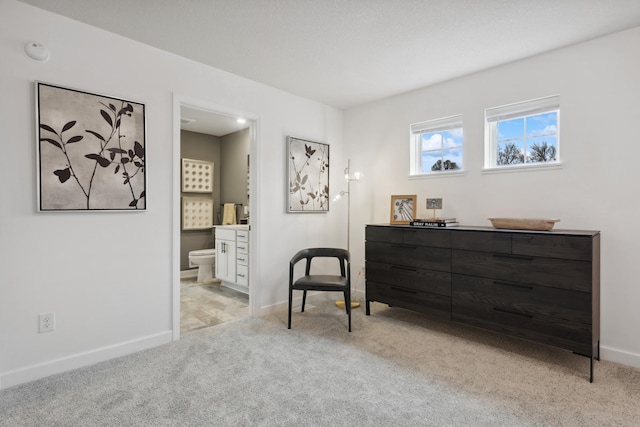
[
  {"x": 397, "y": 267},
  {"x": 522, "y": 237},
  {"x": 518, "y": 257},
  {"x": 514, "y": 285},
  {"x": 406, "y": 291},
  {"x": 240, "y": 275},
  {"x": 413, "y": 248},
  {"x": 502, "y": 310}
]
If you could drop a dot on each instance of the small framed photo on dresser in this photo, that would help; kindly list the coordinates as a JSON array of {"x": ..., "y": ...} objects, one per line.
[{"x": 403, "y": 209}]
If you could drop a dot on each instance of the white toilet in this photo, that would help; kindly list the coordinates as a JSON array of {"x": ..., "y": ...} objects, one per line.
[{"x": 205, "y": 260}]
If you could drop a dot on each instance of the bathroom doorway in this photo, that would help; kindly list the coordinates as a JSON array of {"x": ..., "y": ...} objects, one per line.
[{"x": 213, "y": 139}]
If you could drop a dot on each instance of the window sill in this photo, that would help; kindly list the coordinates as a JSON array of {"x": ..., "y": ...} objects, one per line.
[
  {"x": 523, "y": 168},
  {"x": 446, "y": 174}
]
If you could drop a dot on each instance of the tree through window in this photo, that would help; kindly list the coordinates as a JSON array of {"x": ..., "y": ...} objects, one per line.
[
  {"x": 523, "y": 133},
  {"x": 437, "y": 145}
]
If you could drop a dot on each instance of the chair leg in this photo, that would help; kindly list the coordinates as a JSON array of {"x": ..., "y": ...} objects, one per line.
[
  {"x": 304, "y": 300},
  {"x": 347, "y": 303},
  {"x": 290, "y": 302}
]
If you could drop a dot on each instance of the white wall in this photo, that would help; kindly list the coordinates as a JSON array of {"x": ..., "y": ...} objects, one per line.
[
  {"x": 108, "y": 276},
  {"x": 597, "y": 189}
]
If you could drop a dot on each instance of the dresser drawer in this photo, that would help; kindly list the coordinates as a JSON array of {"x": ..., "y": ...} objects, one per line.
[
  {"x": 566, "y": 247},
  {"x": 409, "y": 255},
  {"x": 568, "y": 335},
  {"x": 384, "y": 234},
  {"x": 552, "y": 272},
  {"x": 541, "y": 301},
  {"x": 494, "y": 241},
  {"x": 436, "y": 282},
  {"x": 397, "y": 296},
  {"x": 242, "y": 235},
  {"x": 429, "y": 237},
  {"x": 533, "y": 244},
  {"x": 409, "y": 236}
]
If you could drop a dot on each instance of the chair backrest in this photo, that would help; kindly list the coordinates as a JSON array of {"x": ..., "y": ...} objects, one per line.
[{"x": 341, "y": 254}]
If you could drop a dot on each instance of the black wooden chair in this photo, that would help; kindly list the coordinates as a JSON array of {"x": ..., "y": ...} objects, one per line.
[{"x": 321, "y": 282}]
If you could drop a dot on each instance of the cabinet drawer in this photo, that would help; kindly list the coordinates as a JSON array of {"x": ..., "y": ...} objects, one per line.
[
  {"x": 242, "y": 247},
  {"x": 383, "y": 234},
  {"x": 539, "y": 301},
  {"x": 242, "y": 275},
  {"x": 436, "y": 282},
  {"x": 533, "y": 244},
  {"x": 409, "y": 236},
  {"x": 242, "y": 235},
  {"x": 225, "y": 234},
  {"x": 397, "y": 296},
  {"x": 494, "y": 241},
  {"x": 242, "y": 258},
  {"x": 566, "y": 247},
  {"x": 427, "y": 237},
  {"x": 438, "y": 259},
  {"x": 553, "y": 272},
  {"x": 568, "y": 335}
]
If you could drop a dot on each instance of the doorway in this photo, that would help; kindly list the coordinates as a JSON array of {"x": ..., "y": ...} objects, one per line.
[{"x": 196, "y": 120}]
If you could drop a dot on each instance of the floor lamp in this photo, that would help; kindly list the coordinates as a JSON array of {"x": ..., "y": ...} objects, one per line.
[{"x": 357, "y": 176}]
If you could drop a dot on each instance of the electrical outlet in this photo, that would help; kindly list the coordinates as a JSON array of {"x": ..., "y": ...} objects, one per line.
[{"x": 47, "y": 322}]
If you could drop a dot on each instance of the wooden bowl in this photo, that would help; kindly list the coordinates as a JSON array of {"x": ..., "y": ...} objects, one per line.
[{"x": 536, "y": 224}]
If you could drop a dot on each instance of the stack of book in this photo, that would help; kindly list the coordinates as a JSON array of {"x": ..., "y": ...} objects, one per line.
[{"x": 435, "y": 222}]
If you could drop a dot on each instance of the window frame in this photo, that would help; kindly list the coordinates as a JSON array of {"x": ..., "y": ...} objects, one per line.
[
  {"x": 416, "y": 130},
  {"x": 523, "y": 109}
]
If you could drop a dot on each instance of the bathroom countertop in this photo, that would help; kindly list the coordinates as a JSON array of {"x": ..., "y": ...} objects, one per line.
[{"x": 234, "y": 226}]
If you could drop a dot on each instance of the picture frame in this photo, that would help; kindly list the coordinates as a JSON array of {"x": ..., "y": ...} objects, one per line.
[
  {"x": 197, "y": 176},
  {"x": 403, "y": 208},
  {"x": 307, "y": 176},
  {"x": 91, "y": 151},
  {"x": 197, "y": 213}
]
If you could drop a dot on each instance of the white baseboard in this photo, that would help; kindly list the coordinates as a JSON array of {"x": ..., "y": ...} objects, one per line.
[
  {"x": 186, "y": 274},
  {"x": 312, "y": 298},
  {"x": 42, "y": 370},
  {"x": 619, "y": 356}
]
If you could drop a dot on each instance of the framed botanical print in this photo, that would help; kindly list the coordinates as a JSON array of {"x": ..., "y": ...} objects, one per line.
[
  {"x": 308, "y": 176},
  {"x": 403, "y": 209},
  {"x": 91, "y": 151}
]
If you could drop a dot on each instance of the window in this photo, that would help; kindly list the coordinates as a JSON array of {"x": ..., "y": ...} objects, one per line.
[
  {"x": 523, "y": 134},
  {"x": 436, "y": 146}
]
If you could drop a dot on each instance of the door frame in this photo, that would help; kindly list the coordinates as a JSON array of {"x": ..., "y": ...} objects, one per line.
[{"x": 254, "y": 240}]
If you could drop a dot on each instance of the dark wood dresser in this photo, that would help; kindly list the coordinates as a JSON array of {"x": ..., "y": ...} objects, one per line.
[{"x": 541, "y": 286}]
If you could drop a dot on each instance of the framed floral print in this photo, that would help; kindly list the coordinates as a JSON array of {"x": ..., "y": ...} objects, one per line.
[
  {"x": 91, "y": 151},
  {"x": 308, "y": 176}
]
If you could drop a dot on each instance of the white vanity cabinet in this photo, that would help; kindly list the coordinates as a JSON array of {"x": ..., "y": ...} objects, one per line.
[{"x": 232, "y": 256}]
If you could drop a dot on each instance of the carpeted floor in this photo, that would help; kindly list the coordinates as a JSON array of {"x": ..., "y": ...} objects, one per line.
[{"x": 396, "y": 368}]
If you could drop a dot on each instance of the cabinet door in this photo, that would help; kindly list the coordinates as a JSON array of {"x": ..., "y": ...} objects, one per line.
[{"x": 226, "y": 260}]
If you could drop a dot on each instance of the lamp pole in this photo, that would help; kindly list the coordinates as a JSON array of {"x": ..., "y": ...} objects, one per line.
[{"x": 347, "y": 175}]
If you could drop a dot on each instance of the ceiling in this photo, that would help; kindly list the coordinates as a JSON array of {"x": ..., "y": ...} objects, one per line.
[
  {"x": 348, "y": 52},
  {"x": 201, "y": 121}
]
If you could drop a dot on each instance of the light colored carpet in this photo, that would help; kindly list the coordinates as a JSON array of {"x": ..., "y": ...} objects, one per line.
[{"x": 396, "y": 368}]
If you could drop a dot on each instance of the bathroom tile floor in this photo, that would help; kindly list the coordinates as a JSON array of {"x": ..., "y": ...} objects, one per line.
[{"x": 204, "y": 305}]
